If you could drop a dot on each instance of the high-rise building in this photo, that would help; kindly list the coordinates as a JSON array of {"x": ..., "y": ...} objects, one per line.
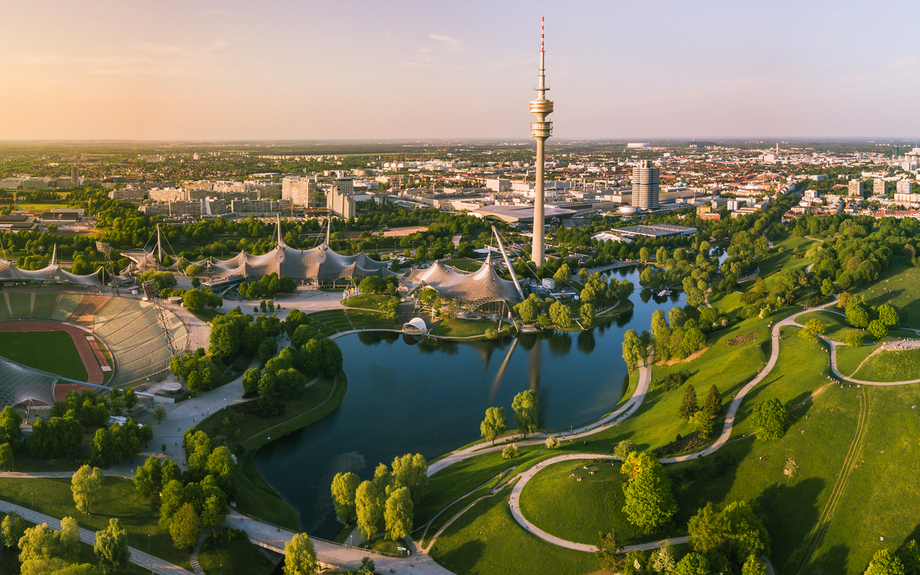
[
  {"x": 74, "y": 176},
  {"x": 645, "y": 185},
  {"x": 879, "y": 187},
  {"x": 340, "y": 200},
  {"x": 903, "y": 187},
  {"x": 856, "y": 187},
  {"x": 301, "y": 191},
  {"x": 540, "y": 130}
]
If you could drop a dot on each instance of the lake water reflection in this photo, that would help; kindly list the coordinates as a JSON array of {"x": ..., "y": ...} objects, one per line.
[{"x": 429, "y": 397}]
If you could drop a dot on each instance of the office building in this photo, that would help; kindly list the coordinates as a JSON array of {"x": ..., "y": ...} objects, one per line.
[{"x": 645, "y": 184}]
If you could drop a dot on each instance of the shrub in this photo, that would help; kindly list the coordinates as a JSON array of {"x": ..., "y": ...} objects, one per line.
[{"x": 510, "y": 452}]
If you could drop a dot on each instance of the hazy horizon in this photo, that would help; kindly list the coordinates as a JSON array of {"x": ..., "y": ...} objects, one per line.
[{"x": 418, "y": 71}]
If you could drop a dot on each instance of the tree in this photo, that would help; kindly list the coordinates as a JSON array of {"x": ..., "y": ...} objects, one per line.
[
  {"x": 857, "y": 313},
  {"x": 344, "y": 486},
  {"x": 185, "y": 527},
  {"x": 159, "y": 413},
  {"x": 813, "y": 328},
  {"x": 888, "y": 315},
  {"x": 214, "y": 510},
  {"x": 702, "y": 421},
  {"x": 853, "y": 338},
  {"x": 649, "y": 502},
  {"x": 688, "y": 405},
  {"x": 251, "y": 379},
  {"x": 634, "y": 352},
  {"x": 713, "y": 403},
  {"x": 552, "y": 443},
  {"x": 773, "y": 419},
  {"x": 300, "y": 556},
  {"x": 6, "y": 456},
  {"x": 753, "y": 565},
  {"x": 910, "y": 556},
  {"x": 411, "y": 471},
  {"x": 662, "y": 560},
  {"x": 12, "y": 529},
  {"x": 149, "y": 477},
  {"x": 623, "y": 449},
  {"x": 367, "y": 567},
  {"x": 560, "y": 314},
  {"x": 692, "y": 564},
  {"x": 170, "y": 501},
  {"x": 10, "y": 424},
  {"x": 877, "y": 329},
  {"x": 587, "y": 313},
  {"x": 368, "y": 508},
  {"x": 494, "y": 424},
  {"x": 86, "y": 485},
  {"x": 644, "y": 254},
  {"x": 659, "y": 323},
  {"x": 510, "y": 451},
  {"x": 398, "y": 514},
  {"x": 39, "y": 542},
  {"x": 610, "y": 552},
  {"x": 525, "y": 411},
  {"x": 694, "y": 340},
  {"x": 69, "y": 538},
  {"x": 884, "y": 562},
  {"x": 111, "y": 548}
]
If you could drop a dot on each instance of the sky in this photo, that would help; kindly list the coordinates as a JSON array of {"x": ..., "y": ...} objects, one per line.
[{"x": 430, "y": 69}]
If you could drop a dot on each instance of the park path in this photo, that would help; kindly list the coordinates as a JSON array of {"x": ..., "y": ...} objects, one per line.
[
  {"x": 273, "y": 538},
  {"x": 156, "y": 565},
  {"x": 627, "y": 409}
]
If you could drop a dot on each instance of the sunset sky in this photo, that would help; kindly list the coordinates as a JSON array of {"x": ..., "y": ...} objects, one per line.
[{"x": 431, "y": 69}]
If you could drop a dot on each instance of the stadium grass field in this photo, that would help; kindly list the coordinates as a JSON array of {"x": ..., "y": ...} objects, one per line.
[{"x": 51, "y": 351}]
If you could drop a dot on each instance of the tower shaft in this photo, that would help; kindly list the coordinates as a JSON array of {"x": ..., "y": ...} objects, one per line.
[{"x": 540, "y": 130}]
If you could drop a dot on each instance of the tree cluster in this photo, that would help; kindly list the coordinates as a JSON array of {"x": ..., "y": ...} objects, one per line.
[
  {"x": 649, "y": 503},
  {"x": 730, "y": 539},
  {"x": 387, "y": 501},
  {"x": 904, "y": 561},
  {"x": 196, "y": 300},
  {"x": 267, "y": 286},
  {"x": 119, "y": 442},
  {"x": 196, "y": 368},
  {"x": 677, "y": 339}
]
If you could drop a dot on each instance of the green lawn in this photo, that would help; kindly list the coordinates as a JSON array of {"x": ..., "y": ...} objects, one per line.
[
  {"x": 238, "y": 557},
  {"x": 901, "y": 279},
  {"x": 849, "y": 358},
  {"x": 883, "y": 495},
  {"x": 368, "y": 301},
  {"x": 891, "y": 366},
  {"x": 336, "y": 320},
  {"x": 464, "y": 327},
  {"x": 136, "y": 514},
  {"x": 487, "y": 540},
  {"x": 52, "y": 351},
  {"x": 558, "y": 503}
]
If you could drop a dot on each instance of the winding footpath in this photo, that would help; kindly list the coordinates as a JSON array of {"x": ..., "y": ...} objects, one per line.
[
  {"x": 645, "y": 378},
  {"x": 156, "y": 565}
]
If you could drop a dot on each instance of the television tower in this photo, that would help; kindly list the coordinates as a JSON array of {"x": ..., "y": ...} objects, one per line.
[{"x": 540, "y": 130}]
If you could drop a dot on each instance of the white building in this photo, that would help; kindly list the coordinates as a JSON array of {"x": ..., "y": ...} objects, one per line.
[{"x": 341, "y": 198}]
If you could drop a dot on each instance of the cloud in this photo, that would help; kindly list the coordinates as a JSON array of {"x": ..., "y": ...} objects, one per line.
[
  {"x": 424, "y": 54},
  {"x": 453, "y": 44}
]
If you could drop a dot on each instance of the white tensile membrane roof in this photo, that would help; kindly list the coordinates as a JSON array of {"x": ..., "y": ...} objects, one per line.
[{"x": 475, "y": 289}]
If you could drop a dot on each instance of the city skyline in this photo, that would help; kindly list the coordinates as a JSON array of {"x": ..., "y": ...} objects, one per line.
[{"x": 409, "y": 70}]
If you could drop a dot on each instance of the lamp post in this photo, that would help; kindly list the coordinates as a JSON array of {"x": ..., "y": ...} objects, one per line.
[
  {"x": 148, "y": 544},
  {"x": 33, "y": 499}
]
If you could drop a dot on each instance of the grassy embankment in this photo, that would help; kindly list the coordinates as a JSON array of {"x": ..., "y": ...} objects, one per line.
[
  {"x": 238, "y": 557},
  {"x": 254, "y": 496}
]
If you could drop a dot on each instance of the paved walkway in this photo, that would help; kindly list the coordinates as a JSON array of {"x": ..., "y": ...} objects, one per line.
[
  {"x": 146, "y": 561},
  {"x": 627, "y": 409},
  {"x": 274, "y": 538}
]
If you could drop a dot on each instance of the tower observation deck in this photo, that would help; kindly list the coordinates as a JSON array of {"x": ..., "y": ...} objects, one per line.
[{"x": 540, "y": 130}]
